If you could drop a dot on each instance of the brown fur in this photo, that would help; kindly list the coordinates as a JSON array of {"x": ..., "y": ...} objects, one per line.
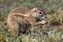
[
  {"x": 20, "y": 19},
  {"x": 20, "y": 10}
]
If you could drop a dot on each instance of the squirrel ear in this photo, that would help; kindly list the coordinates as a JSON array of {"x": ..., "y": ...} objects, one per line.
[{"x": 34, "y": 9}]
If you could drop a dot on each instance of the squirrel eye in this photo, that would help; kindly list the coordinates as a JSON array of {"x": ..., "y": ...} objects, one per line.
[{"x": 40, "y": 12}]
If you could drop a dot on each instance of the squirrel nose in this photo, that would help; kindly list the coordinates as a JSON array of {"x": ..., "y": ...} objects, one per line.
[{"x": 46, "y": 23}]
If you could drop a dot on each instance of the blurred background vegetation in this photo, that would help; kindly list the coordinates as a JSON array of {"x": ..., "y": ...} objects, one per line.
[{"x": 53, "y": 33}]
